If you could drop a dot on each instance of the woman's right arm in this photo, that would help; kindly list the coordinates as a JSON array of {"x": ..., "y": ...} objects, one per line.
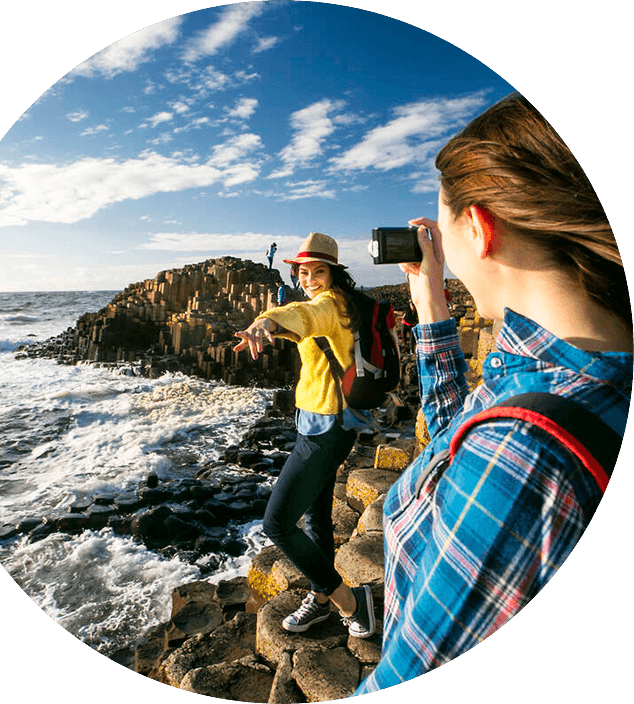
[
  {"x": 426, "y": 278},
  {"x": 254, "y": 336},
  {"x": 441, "y": 362}
]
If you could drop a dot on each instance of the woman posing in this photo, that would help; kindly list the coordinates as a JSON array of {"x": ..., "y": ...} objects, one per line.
[
  {"x": 469, "y": 544},
  {"x": 306, "y": 483}
]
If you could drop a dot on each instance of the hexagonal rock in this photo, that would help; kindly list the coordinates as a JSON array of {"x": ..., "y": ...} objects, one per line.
[
  {"x": 194, "y": 609},
  {"x": 231, "y": 641},
  {"x": 284, "y": 689},
  {"x": 366, "y": 650},
  {"x": 371, "y": 520},
  {"x": 245, "y": 680},
  {"x": 324, "y": 674},
  {"x": 366, "y": 485},
  {"x": 392, "y": 457},
  {"x": 360, "y": 561},
  {"x": 270, "y": 573},
  {"x": 344, "y": 520},
  {"x": 272, "y": 640}
]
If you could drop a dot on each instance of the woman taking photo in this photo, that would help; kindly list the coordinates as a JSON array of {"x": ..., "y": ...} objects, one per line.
[
  {"x": 306, "y": 483},
  {"x": 469, "y": 541}
]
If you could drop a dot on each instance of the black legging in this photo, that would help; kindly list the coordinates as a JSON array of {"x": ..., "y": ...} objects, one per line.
[{"x": 305, "y": 488}]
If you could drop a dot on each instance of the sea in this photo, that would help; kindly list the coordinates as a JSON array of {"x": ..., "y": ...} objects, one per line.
[{"x": 68, "y": 432}]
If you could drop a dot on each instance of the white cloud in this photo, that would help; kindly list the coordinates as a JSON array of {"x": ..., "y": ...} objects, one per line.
[
  {"x": 301, "y": 190},
  {"x": 195, "y": 124},
  {"x": 265, "y": 43},
  {"x": 77, "y": 116},
  {"x": 89, "y": 131},
  {"x": 234, "y": 149},
  {"x": 78, "y": 190},
  {"x": 180, "y": 107},
  {"x": 129, "y": 53},
  {"x": 243, "y": 109},
  {"x": 411, "y": 136},
  {"x": 308, "y": 189},
  {"x": 210, "y": 242},
  {"x": 160, "y": 117},
  {"x": 233, "y": 21},
  {"x": 312, "y": 125}
]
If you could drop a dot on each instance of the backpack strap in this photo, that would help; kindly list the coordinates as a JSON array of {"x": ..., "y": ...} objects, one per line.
[
  {"x": 565, "y": 420},
  {"x": 336, "y": 370}
]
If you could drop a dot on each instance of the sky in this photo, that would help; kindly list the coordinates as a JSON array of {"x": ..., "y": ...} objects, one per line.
[{"x": 220, "y": 131}]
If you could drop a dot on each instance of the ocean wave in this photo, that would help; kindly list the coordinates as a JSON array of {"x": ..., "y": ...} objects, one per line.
[
  {"x": 21, "y": 318},
  {"x": 12, "y": 345}
]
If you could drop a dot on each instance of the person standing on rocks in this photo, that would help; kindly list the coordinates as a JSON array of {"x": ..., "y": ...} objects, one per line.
[
  {"x": 270, "y": 253},
  {"x": 306, "y": 483},
  {"x": 472, "y": 536}
]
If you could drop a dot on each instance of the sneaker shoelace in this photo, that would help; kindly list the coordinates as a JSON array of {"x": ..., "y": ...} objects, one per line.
[{"x": 307, "y": 607}]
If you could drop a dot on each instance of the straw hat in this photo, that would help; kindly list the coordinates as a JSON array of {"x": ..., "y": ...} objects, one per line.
[{"x": 317, "y": 248}]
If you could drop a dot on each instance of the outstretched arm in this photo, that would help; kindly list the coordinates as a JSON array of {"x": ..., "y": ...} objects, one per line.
[{"x": 255, "y": 335}]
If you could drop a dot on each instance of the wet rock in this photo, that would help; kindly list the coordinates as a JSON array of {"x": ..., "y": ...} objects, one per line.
[
  {"x": 72, "y": 523},
  {"x": 8, "y": 531},
  {"x": 128, "y": 503},
  {"x": 149, "y": 523},
  {"x": 97, "y": 516}
]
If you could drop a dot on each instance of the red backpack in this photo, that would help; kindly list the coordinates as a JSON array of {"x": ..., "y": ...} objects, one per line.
[{"x": 376, "y": 369}]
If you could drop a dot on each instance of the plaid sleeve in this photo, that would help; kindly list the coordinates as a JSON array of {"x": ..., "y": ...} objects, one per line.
[
  {"x": 441, "y": 373},
  {"x": 472, "y": 547}
]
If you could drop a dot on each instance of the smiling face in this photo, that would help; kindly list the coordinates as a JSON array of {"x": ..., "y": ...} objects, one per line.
[{"x": 314, "y": 278}]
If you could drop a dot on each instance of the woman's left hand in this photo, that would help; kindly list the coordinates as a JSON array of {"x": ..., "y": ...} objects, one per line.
[{"x": 255, "y": 335}]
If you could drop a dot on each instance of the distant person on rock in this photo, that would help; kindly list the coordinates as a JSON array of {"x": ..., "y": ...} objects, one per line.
[
  {"x": 482, "y": 520},
  {"x": 324, "y": 439},
  {"x": 282, "y": 294},
  {"x": 270, "y": 253}
]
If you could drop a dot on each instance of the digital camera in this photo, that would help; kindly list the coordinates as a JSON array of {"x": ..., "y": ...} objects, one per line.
[{"x": 395, "y": 245}]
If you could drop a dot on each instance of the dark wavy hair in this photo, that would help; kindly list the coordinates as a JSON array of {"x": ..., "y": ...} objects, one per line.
[{"x": 345, "y": 285}]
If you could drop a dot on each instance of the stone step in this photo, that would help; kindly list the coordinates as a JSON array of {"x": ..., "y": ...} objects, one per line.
[{"x": 365, "y": 486}]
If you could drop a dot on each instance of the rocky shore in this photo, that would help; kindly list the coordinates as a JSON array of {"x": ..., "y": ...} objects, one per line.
[{"x": 226, "y": 640}]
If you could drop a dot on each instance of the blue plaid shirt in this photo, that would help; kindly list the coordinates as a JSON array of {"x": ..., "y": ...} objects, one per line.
[{"x": 469, "y": 548}]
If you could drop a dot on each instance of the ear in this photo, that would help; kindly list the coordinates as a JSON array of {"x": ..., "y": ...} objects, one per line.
[{"x": 484, "y": 230}]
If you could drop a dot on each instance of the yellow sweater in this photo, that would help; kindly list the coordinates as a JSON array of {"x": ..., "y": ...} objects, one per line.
[{"x": 316, "y": 390}]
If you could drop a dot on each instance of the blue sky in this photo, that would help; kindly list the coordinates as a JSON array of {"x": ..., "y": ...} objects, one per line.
[{"x": 221, "y": 130}]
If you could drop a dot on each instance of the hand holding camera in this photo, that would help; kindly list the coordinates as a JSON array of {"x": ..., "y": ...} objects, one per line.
[{"x": 417, "y": 250}]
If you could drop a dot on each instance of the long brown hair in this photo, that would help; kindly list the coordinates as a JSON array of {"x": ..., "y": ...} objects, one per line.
[{"x": 511, "y": 161}]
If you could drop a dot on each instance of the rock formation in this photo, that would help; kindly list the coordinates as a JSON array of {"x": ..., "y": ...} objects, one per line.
[
  {"x": 226, "y": 640},
  {"x": 183, "y": 320},
  {"x": 268, "y": 663}
]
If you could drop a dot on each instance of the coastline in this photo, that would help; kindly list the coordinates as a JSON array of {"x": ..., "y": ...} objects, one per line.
[
  {"x": 226, "y": 641},
  {"x": 222, "y": 637}
]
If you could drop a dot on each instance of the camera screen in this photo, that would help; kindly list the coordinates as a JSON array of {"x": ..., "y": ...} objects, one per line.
[
  {"x": 397, "y": 244},
  {"x": 402, "y": 245}
]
